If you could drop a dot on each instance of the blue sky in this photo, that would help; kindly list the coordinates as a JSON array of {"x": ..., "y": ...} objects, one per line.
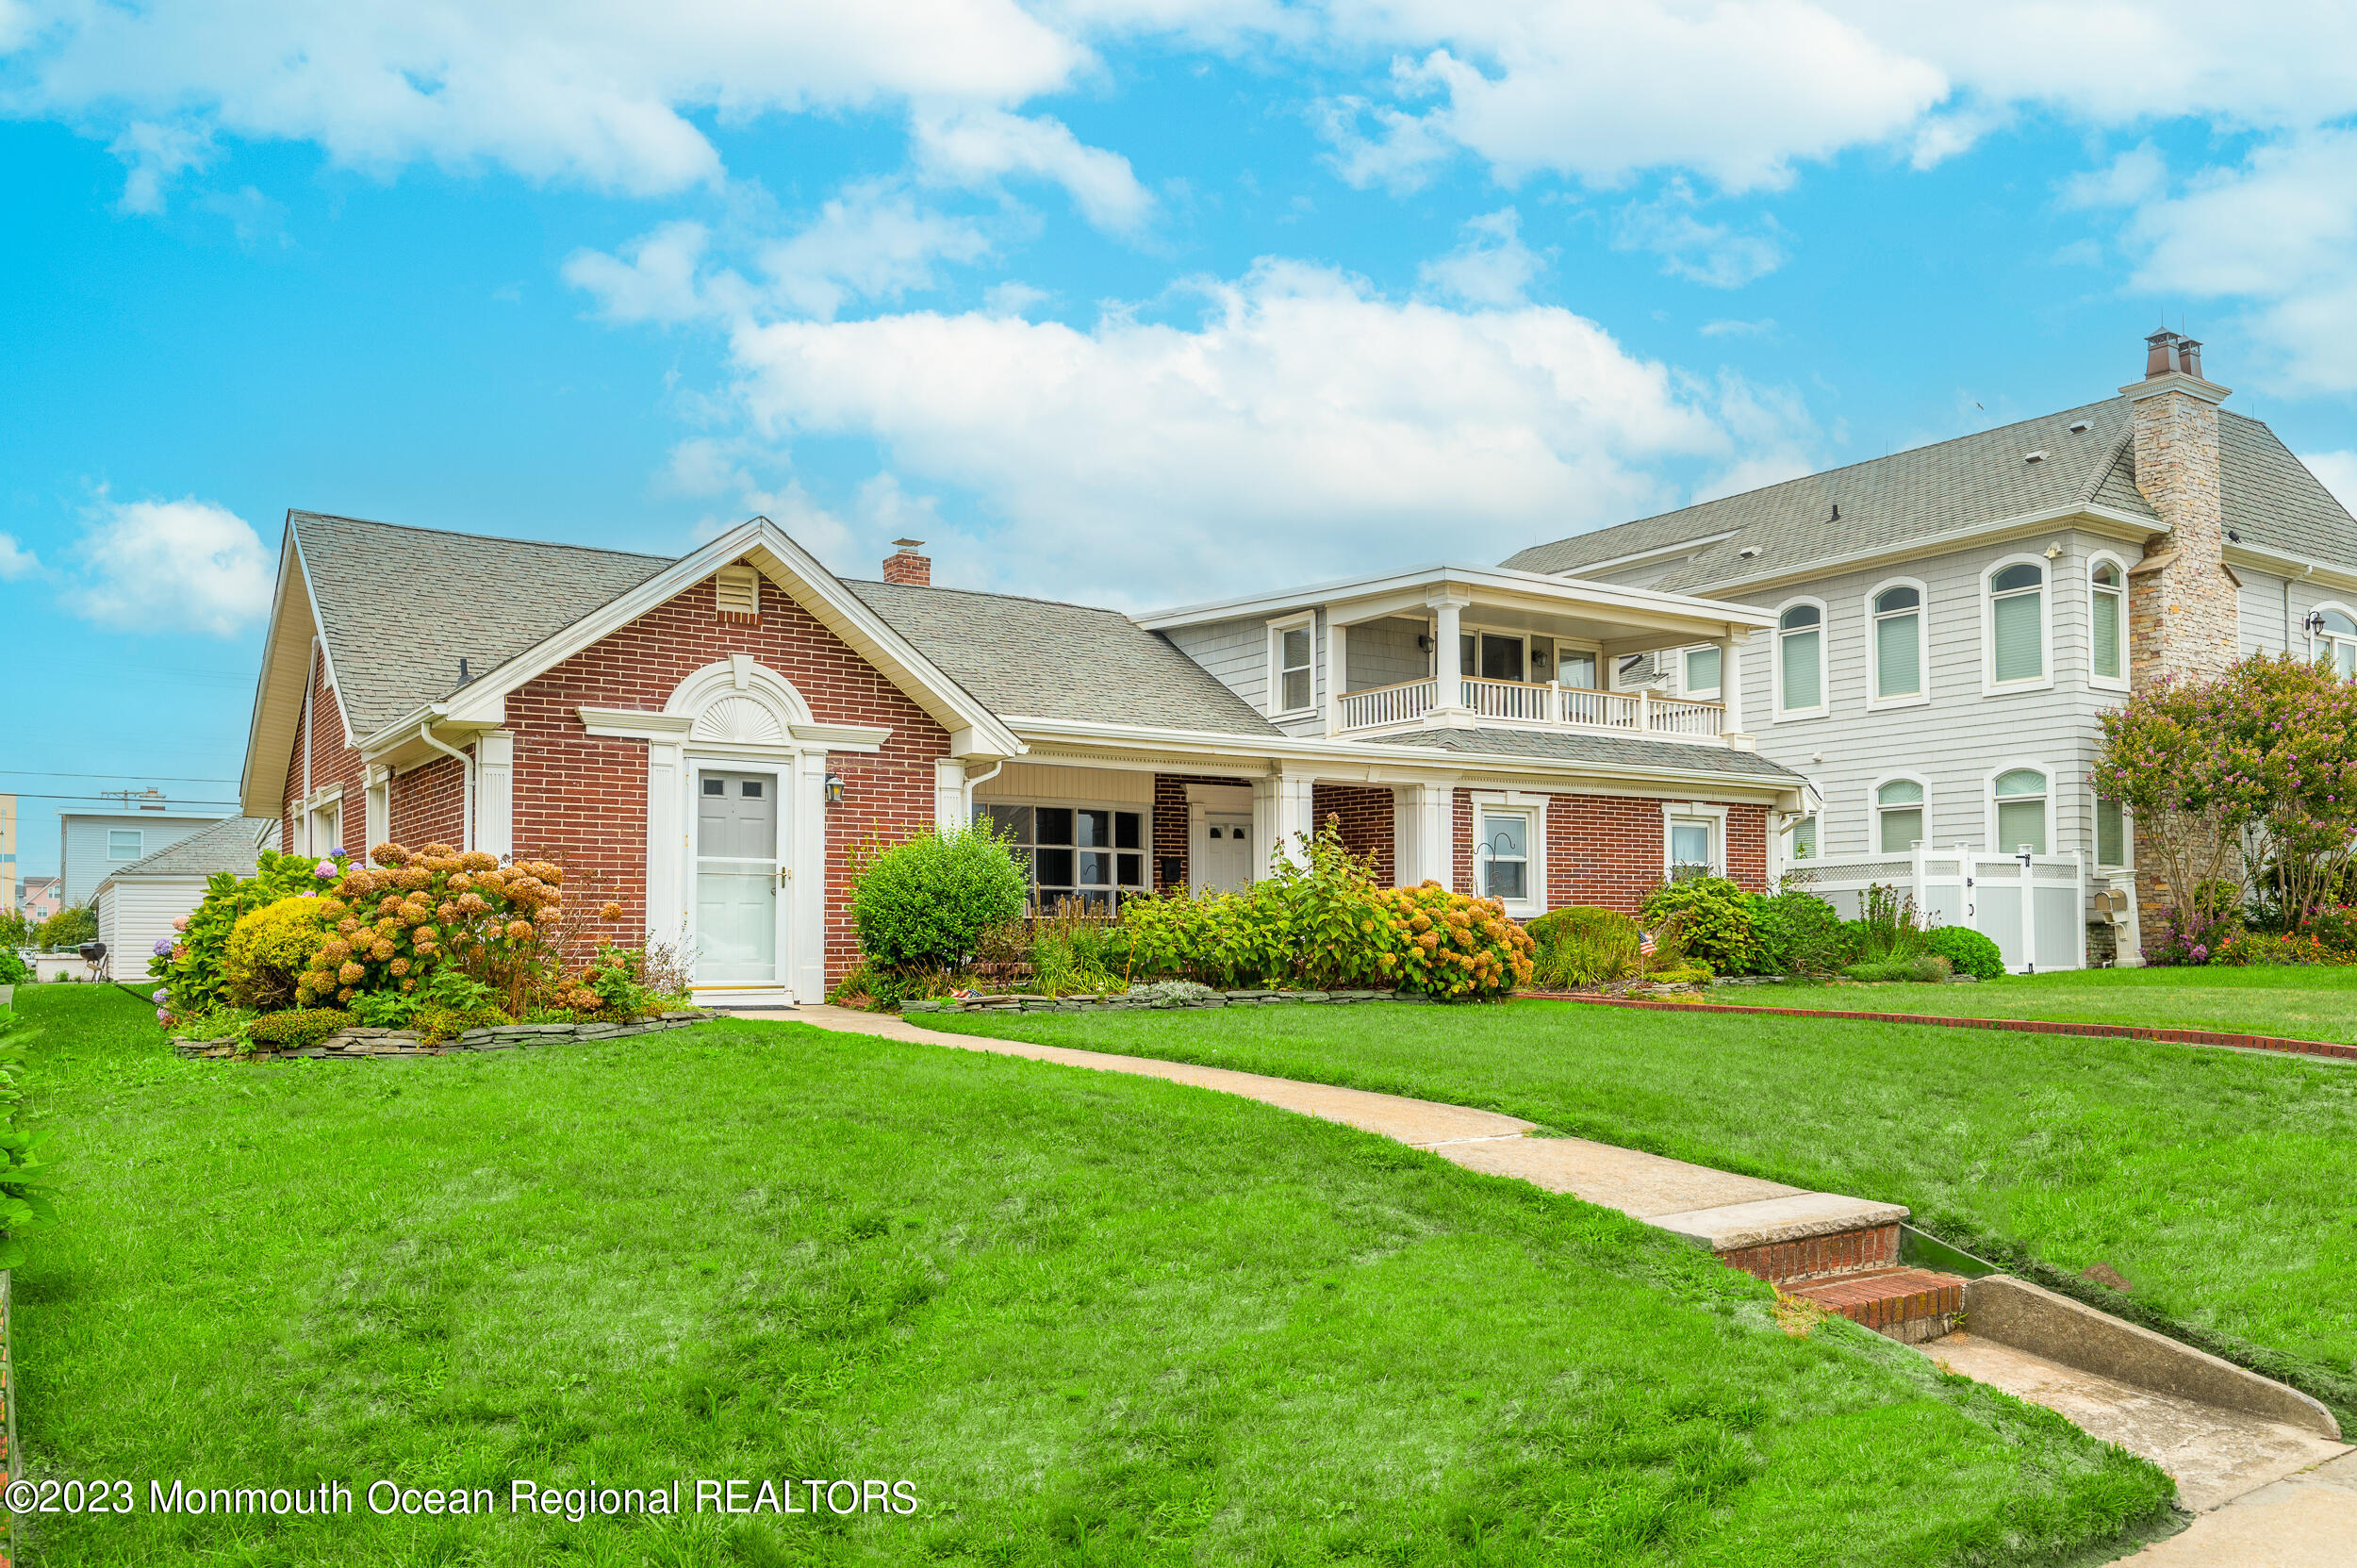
[{"x": 1125, "y": 301}]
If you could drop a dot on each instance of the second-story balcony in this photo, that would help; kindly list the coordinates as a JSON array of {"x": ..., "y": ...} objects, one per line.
[{"x": 1408, "y": 704}]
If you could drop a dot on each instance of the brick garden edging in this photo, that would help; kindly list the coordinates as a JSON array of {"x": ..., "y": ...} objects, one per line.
[
  {"x": 2018, "y": 1026},
  {"x": 401, "y": 1042},
  {"x": 1128, "y": 1003}
]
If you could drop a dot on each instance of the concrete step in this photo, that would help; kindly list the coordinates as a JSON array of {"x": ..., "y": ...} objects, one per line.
[{"x": 1910, "y": 1305}]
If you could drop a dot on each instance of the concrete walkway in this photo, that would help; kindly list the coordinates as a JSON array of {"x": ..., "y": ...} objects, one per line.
[{"x": 2274, "y": 1497}]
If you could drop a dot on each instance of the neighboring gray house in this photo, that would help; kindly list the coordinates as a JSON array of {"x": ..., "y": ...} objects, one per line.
[
  {"x": 138, "y": 903},
  {"x": 1951, "y": 623},
  {"x": 92, "y": 845}
]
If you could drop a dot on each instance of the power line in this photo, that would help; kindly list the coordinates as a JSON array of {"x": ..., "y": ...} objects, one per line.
[
  {"x": 150, "y": 778},
  {"x": 117, "y": 799}
]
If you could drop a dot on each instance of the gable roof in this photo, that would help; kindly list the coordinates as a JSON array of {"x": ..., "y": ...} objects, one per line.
[
  {"x": 228, "y": 845},
  {"x": 1038, "y": 658},
  {"x": 399, "y": 606},
  {"x": 2267, "y": 495}
]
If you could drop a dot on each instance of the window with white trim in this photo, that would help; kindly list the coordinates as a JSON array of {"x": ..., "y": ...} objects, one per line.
[
  {"x": 1576, "y": 667},
  {"x": 1801, "y": 838},
  {"x": 2111, "y": 834},
  {"x": 2107, "y": 621},
  {"x": 1700, "y": 677},
  {"x": 2335, "y": 643},
  {"x": 1899, "y": 817},
  {"x": 2020, "y": 795},
  {"x": 2017, "y": 624},
  {"x": 1292, "y": 647},
  {"x": 125, "y": 843},
  {"x": 1506, "y": 850},
  {"x": 1093, "y": 855},
  {"x": 1693, "y": 845},
  {"x": 1896, "y": 614},
  {"x": 1800, "y": 660}
]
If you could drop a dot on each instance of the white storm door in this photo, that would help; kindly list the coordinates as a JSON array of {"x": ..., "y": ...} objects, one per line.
[
  {"x": 740, "y": 922},
  {"x": 1226, "y": 853}
]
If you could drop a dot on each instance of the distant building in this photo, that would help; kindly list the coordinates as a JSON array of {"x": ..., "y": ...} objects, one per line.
[
  {"x": 94, "y": 845},
  {"x": 39, "y": 897}
]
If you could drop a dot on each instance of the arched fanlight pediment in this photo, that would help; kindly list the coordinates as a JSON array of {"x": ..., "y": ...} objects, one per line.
[
  {"x": 739, "y": 719},
  {"x": 739, "y": 702}
]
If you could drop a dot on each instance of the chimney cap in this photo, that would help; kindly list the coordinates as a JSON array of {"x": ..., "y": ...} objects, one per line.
[{"x": 909, "y": 544}]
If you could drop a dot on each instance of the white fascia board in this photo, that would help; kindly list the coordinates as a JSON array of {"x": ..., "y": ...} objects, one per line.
[
  {"x": 1340, "y": 759},
  {"x": 793, "y": 569},
  {"x": 2300, "y": 567},
  {"x": 2091, "y": 519},
  {"x": 1493, "y": 583},
  {"x": 261, "y": 789}
]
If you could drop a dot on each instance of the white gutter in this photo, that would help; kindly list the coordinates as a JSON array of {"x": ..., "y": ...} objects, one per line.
[
  {"x": 465, "y": 800},
  {"x": 1549, "y": 587},
  {"x": 2026, "y": 522}
]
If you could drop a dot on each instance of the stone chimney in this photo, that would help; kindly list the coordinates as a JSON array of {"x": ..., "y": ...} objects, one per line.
[
  {"x": 2183, "y": 615},
  {"x": 906, "y": 566}
]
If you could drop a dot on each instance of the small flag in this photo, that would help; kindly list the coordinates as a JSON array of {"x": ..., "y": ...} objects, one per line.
[{"x": 1644, "y": 943}]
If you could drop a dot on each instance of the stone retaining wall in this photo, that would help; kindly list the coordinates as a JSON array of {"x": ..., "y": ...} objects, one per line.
[
  {"x": 1124, "y": 1003},
  {"x": 402, "y": 1042}
]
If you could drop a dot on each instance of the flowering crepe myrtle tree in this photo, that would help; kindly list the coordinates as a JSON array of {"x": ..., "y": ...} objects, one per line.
[{"x": 2253, "y": 773}]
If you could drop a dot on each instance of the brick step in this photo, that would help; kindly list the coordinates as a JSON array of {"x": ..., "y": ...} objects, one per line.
[
  {"x": 1866, "y": 1249},
  {"x": 1911, "y": 1305}
]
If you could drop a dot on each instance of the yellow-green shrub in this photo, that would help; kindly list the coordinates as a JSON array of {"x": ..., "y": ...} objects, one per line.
[{"x": 269, "y": 948}]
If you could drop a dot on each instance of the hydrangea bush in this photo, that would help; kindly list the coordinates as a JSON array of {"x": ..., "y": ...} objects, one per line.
[{"x": 398, "y": 920}]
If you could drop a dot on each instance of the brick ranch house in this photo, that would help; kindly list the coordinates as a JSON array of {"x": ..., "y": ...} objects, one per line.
[{"x": 707, "y": 740}]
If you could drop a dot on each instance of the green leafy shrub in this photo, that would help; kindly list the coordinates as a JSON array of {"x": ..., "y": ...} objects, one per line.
[
  {"x": 924, "y": 902},
  {"x": 14, "y": 969},
  {"x": 2253, "y": 946},
  {"x": 189, "y": 966},
  {"x": 1967, "y": 950},
  {"x": 1799, "y": 934},
  {"x": 298, "y": 1027},
  {"x": 2335, "y": 927},
  {"x": 269, "y": 949},
  {"x": 1682, "y": 974},
  {"x": 219, "y": 1023},
  {"x": 25, "y": 1204},
  {"x": 1923, "y": 968},
  {"x": 67, "y": 929},
  {"x": 1578, "y": 946},
  {"x": 1714, "y": 918},
  {"x": 613, "y": 983}
]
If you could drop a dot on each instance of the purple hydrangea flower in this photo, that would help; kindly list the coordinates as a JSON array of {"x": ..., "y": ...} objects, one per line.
[
  {"x": 163, "y": 946},
  {"x": 162, "y": 996},
  {"x": 162, "y": 1017},
  {"x": 325, "y": 868},
  {"x": 338, "y": 851}
]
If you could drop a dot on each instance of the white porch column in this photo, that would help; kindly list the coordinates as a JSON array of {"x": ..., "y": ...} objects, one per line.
[
  {"x": 495, "y": 792},
  {"x": 1731, "y": 694},
  {"x": 806, "y": 882},
  {"x": 1422, "y": 826},
  {"x": 1337, "y": 672},
  {"x": 949, "y": 798},
  {"x": 1448, "y": 696},
  {"x": 667, "y": 843},
  {"x": 376, "y": 814},
  {"x": 1281, "y": 812}
]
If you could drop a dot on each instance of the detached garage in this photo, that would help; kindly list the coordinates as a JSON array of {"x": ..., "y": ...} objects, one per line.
[{"x": 137, "y": 904}]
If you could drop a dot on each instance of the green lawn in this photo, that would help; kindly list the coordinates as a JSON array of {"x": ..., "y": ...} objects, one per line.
[
  {"x": 1090, "y": 1318},
  {"x": 2303, "y": 1002},
  {"x": 2219, "y": 1183}
]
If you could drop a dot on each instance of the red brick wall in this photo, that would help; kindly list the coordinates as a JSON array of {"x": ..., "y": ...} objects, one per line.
[
  {"x": 1170, "y": 821},
  {"x": 332, "y": 762},
  {"x": 1365, "y": 815},
  {"x": 1605, "y": 851},
  {"x": 428, "y": 804},
  {"x": 584, "y": 798}
]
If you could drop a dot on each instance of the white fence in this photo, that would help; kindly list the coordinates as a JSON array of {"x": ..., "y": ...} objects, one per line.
[{"x": 2034, "y": 907}]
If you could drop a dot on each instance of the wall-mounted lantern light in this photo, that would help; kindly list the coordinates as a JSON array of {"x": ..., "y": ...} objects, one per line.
[{"x": 834, "y": 789}]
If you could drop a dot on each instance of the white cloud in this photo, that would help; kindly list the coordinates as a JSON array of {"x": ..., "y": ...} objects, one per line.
[
  {"x": 1300, "y": 428},
  {"x": 657, "y": 282},
  {"x": 596, "y": 93},
  {"x": 1492, "y": 267},
  {"x": 15, "y": 560},
  {"x": 2136, "y": 176},
  {"x": 976, "y": 146},
  {"x": 168, "y": 566},
  {"x": 2338, "y": 470},
  {"x": 1714, "y": 254},
  {"x": 1760, "y": 328},
  {"x": 156, "y": 155}
]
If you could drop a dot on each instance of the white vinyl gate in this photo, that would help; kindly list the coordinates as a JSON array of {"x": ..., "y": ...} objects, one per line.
[{"x": 2034, "y": 907}]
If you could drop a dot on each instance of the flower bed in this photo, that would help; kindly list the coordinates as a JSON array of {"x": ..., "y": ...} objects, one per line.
[{"x": 358, "y": 1041}]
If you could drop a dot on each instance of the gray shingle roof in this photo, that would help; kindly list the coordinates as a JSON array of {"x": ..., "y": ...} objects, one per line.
[
  {"x": 2269, "y": 496},
  {"x": 1608, "y": 749},
  {"x": 228, "y": 845},
  {"x": 1037, "y": 658},
  {"x": 399, "y": 606}
]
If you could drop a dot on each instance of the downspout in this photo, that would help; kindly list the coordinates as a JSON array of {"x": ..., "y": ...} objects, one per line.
[
  {"x": 975, "y": 780},
  {"x": 2305, "y": 573},
  {"x": 465, "y": 799}
]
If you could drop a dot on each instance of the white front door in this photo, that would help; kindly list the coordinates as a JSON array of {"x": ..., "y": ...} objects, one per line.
[
  {"x": 740, "y": 925},
  {"x": 1227, "y": 854}
]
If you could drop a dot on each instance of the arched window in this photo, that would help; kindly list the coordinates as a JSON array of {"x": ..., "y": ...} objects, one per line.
[
  {"x": 1897, "y": 613},
  {"x": 2336, "y": 643},
  {"x": 2107, "y": 621},
  {"x": 2017, "y": 624},
  {"x": 1800, "y": 660},
  {"x": 2020, "y": 796},
  {"x": 1899, "y": 817}
]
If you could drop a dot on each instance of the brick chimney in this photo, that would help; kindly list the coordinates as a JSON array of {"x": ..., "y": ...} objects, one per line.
[
  {"x": 2183, "y": 615},
  {"x": 906, "y": 566}
]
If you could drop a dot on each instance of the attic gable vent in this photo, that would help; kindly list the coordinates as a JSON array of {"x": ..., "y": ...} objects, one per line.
[
  {"x": 738, "y": 591},
  {"x": 2080, "y": 427},
  {"x": 2035, "y": 457}
]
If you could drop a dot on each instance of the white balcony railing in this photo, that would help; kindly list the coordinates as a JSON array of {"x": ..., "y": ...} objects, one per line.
[{"x": 1526, "y": 703}]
